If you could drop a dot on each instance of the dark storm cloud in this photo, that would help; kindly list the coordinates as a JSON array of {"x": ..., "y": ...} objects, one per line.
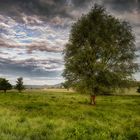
[
  {"x": 41, "y": 7},
  {"x": 81, "y": 3},
  {"x": 59, "y": 12},
  {"x": 123, "y": 5},
  {"x": 30, "y": 67},
  {"x": 34, "y": 62},
  {"x": 46, "y": 9}
]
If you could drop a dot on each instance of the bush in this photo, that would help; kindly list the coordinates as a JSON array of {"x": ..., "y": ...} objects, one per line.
[
  {"x": 105, "y": 91},
  {"x": 138, "y": 90}
]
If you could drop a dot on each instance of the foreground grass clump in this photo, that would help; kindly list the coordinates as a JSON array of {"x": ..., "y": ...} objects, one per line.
[{"x": 42, "y": 115}]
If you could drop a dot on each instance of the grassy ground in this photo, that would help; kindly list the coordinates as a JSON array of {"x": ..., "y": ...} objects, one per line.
[{"x": 43, "y": 115}]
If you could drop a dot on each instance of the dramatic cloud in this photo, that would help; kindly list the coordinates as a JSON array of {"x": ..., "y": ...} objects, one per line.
[
  {"x": 36, "y": 46},
  {"x": 31, "y": 67},
  {"x": 33, "y": 34},
  {"x": 123, "y": 5}
]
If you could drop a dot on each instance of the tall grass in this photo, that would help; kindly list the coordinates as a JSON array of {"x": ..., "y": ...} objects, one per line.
[{"x": 42, "y": 115}]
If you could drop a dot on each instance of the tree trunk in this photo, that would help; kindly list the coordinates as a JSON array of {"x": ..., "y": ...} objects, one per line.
[
  {"x": 92, "y": 99},
  {"x": 4, "y": 91}
]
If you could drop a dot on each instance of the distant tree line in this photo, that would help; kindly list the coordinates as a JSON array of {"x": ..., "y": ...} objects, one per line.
[{"x": 6, "y": 85}]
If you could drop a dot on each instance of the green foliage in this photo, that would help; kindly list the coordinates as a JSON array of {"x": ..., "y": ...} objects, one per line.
[
  {"x": 101, "y": 90},
  {"x": 81, "y": 87},
  {"x": 5, "y": 85},
  {"x": 42, "y": 115},
  {"x": 100, "y": 52},
  {"x": 19, "y": 85},
  {"x": 66, "y": 85}
]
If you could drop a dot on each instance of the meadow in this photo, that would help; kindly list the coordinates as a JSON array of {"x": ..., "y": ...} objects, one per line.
[{"x": 55, "y": 115}]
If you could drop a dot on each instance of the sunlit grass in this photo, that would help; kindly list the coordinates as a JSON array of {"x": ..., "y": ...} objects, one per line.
[{"x": 43, "y": 115}]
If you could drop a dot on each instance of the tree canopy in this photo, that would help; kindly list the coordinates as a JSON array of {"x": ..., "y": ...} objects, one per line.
[
  {"x": 5, "y": 85},
  {"x": 100, "y": 52},
  {"x": 19, "y": 84}
]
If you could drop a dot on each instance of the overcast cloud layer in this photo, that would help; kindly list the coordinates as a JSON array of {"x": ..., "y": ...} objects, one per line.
[{"x": 33, "y": 34}]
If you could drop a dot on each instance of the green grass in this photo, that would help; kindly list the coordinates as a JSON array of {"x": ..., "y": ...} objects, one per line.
[{"x": 42, "y": 115}]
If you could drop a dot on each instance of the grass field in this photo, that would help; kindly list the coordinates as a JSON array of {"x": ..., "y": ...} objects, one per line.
[{"x": 49, "y": 115}]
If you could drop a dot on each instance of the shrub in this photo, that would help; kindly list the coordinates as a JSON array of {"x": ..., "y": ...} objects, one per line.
[{"x": 138, "y": 90}]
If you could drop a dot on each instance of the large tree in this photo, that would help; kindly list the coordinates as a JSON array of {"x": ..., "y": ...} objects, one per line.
[
  {"x": 19, "y": 84},
  {"x": 100, "y": 53},
  {"x": 5, "y": 85}
]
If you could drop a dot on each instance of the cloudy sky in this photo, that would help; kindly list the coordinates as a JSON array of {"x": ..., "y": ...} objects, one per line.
[{"x": 33, "y": 34}]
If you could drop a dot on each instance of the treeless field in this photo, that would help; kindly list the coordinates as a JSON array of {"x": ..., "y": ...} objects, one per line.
[
  {"x": 58, "y": 90},
  {"x": 68, "y": 116}
]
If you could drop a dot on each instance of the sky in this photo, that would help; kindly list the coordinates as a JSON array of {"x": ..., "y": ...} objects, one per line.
[{"x": 33, "y": 34}]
